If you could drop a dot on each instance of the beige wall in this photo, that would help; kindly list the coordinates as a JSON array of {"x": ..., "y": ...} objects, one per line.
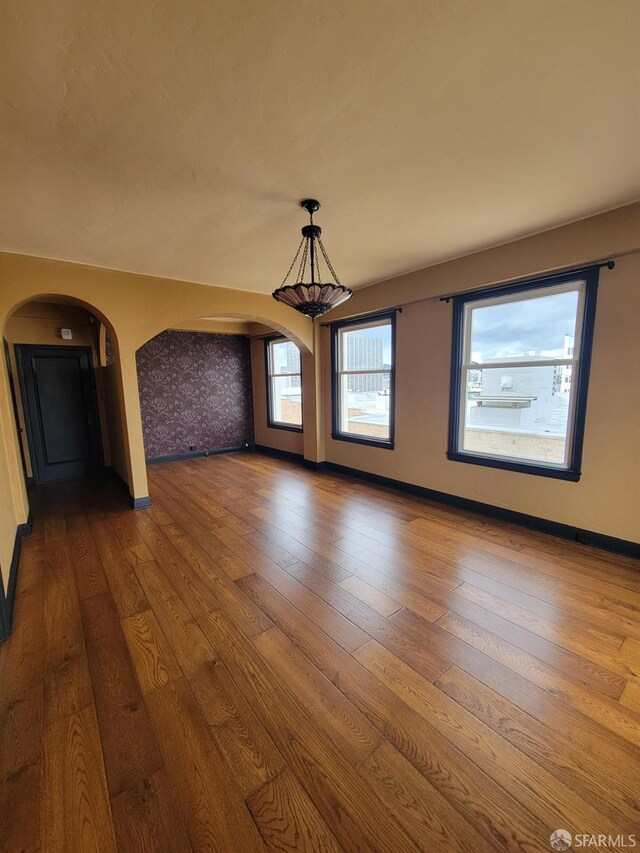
[{"x": 606, "y": 499}]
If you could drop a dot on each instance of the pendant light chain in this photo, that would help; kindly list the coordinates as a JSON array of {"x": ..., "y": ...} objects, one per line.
[
  {"x": 284, "y": 280},
  {"x": 328, "y": 262},
  {"x": 313, "y": 299}
]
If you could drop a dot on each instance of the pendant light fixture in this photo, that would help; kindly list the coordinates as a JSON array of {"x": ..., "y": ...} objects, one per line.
[{"x": 311, "y": 298}]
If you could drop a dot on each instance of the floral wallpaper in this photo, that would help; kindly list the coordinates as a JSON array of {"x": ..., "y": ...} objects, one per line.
[
  {"x": 108, "y": 349},
  {"x": 195, "y": 389}
]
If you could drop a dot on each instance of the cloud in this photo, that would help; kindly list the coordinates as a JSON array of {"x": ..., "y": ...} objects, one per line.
[{"x": 537, "y": 324}]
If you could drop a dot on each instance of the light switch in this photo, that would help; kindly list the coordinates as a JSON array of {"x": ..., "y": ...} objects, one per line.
[{"x": 66, "y": 334}]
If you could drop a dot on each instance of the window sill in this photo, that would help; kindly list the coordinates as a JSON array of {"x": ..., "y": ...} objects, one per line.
[
  {"x": 356, "y": 439},
  {"x": 520, "y": 467},
  {"x": 288, "y": 427}
]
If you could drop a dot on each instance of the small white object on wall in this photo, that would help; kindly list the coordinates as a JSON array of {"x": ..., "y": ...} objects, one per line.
[{"x": 66, "y": 334}]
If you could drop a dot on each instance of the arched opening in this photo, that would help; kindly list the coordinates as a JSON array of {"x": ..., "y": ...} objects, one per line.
[
  {"x": 194, "y": 385},
  {"x": 200, "y": 386},
  {"x": 66, "y": 407}
]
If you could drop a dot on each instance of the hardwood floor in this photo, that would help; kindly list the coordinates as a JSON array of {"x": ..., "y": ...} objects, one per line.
[{"x": 274, "y": 658}]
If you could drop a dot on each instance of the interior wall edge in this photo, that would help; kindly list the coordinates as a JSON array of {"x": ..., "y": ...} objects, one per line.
[{"x": 8, "y": 596}]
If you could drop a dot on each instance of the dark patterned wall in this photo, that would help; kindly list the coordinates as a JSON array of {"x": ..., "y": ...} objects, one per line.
[{"x": 195, "y": 389}]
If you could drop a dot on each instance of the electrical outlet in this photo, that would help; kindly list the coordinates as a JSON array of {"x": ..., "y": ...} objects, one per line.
[{"x": 193, "y": 447}]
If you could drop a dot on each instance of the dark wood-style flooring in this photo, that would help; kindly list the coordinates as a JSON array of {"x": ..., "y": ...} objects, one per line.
[{"x": 275, "y": 658}]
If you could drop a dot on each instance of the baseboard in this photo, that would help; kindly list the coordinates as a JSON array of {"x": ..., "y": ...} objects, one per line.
[
  {"x": 194, "y": 454},
  {"x": 141, "y": 503},
  {"x": 544, "y": 525},
  {"x": 287, "y": 454},
  {"x": 280, "y": 454},
  {"x": 314, "y": 466},
  {"x": 8, "y": 597},
  {"x": 134, "y": 503}
]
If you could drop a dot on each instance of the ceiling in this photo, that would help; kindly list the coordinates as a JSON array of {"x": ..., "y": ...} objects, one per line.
[{"x": 175, "y": 137}]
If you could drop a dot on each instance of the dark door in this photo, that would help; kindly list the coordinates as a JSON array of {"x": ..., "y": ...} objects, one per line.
[{"x": 61, "y": 411}]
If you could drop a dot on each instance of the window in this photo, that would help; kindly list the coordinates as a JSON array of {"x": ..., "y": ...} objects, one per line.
[
  {"x": 284, "y": 384},
  {"x": 363, "y": 356},
  {"x": 520, "y": 373}
]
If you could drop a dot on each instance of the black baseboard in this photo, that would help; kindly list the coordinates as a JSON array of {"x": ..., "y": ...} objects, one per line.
[
  {"x": 544, "y": 525},
  {"x": 280, "y": 454},
  {"x": 314, "y": 466},
  {"x": 141, "y": 503},
  {"x": 134, "y": 503},
  {"x": 8, "y": 597},
  {"x": 194, "y": 454},
  {"x": 287, "y": 454}
]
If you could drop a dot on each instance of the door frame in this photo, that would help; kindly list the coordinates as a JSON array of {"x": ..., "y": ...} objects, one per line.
[{"x": 22, "y": 352}]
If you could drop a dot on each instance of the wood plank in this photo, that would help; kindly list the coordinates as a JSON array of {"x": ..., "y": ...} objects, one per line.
[
  {"x": 125, "y": 589},
  {"x": 390, "y": 635},
  {"x": 318, "y": 646},
  {"x": 492, "y": 812},
  {"x": 356, "y": 816},
  {"x": 145, "y": 818},
  {"x": 599, "y": 708},
  {"x": 523, "y": 645},
  {"x": 212, "y": 808},
  {"x": 424, "y": 812},
  {"x": 185, "y": 637},
  {"x": 403, "y": 592},
  {"x": 378, "y": 601},
  {"x": 76, "y": 813},
  {"x": 577, "y": 635},
  {"x": 352, "y": 735},
  {"x": 288, "y": 820},
  {"x": 21, "y": 726},
  {"x": 178, "y": 555},
  {"x": 239, "y": 734},
  {"x": 20, "y": 814},
  {"x": 542, "y": 795},
  {"x": 563, "y": 599},
  {"x": 67, "y": 685},
  {"x": 342, "y": 629},
  {"x": 154, "y": 662},
  {"x": 631, "y": 697},
  {"x": 130, "y": 749},
  {"x": 574, "y": 753},
  {"x": 89, "y": 574}
]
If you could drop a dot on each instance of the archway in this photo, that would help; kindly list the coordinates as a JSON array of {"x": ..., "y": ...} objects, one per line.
[
  {"x": 184, "y": 410},
  {"x": 82, "y": 428}
]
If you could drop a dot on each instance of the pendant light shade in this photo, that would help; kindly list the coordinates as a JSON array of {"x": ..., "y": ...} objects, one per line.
[{"x": 312, "y": 298}]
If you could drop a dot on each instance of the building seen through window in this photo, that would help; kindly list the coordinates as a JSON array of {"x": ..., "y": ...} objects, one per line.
[
  {"x": 284, "y": 386},
  {"x": 363, "y": 371}
]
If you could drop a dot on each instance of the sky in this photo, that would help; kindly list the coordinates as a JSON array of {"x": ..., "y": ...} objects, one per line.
[{"x": 534, "y": 325}]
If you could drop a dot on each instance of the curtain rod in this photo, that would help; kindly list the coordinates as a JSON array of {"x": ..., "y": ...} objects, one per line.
[
  {"x": 365, "y": 315},
  {"x": 610, "y": 264}
]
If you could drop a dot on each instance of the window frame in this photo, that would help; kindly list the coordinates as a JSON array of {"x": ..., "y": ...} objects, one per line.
[
  {"x": 271, "y": 423},
  {"x": 581, "y": 365},
  {"x": 336, "y": 328}
]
